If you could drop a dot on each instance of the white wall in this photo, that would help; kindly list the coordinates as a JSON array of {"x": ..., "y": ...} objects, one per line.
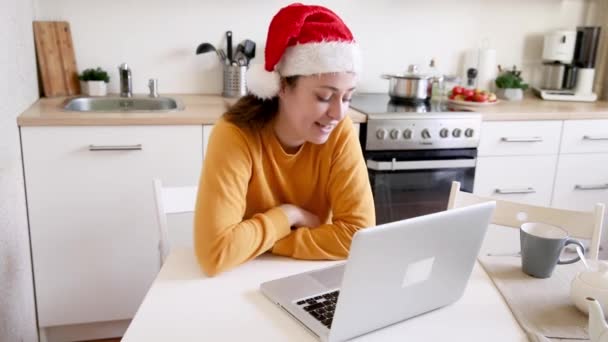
[
  {"x": 18, "y": 89},
  {"x": 158, "y": 37}
]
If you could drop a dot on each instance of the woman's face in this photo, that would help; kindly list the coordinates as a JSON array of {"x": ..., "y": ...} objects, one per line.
[{"x": 313, "y": 107}]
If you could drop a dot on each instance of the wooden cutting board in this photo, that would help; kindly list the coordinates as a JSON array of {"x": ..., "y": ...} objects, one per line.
[{"x": 56, "y": 58}]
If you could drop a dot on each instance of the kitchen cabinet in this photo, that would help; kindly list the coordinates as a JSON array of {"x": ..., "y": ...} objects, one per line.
[
  {"x": 503, "y": 138},
  {"x": 562, "y": 164},
  {"x": 516, "y": 178},
  {"x": 517, "y": 160},
  {"x": 582, "y": 181},
  {"x": 582, "y": 170},
  {"x": 94, "y": 234}
]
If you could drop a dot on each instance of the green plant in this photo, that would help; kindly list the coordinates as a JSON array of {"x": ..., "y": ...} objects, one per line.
[
  {"x": 94, "y": 75},
  {"x": 510, "y": 79}
]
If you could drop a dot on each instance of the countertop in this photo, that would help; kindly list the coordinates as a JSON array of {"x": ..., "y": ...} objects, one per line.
[
  {"x": 533, "y": 108},
  {"x": 199, "y": 110},
  {"x": 206, "y": 109}
]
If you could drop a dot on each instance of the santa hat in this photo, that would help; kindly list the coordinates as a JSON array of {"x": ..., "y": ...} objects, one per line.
[{"x": 303, "y": 40}]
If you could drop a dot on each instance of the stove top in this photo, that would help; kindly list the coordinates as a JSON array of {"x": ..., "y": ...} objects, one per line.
[
  {"x": 378, "y": 103},
  {"x": 393, "y": 125}
]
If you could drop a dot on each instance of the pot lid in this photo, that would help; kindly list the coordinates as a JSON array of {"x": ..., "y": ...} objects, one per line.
[
  {"x": 596, "y": 278},
  {"x": 411, "y": 74}
]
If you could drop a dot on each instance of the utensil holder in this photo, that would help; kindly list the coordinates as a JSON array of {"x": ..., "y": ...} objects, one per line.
[{"x": 235, "y": 84}]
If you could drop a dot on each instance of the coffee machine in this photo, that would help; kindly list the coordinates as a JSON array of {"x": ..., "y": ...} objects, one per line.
[{"x": 569, "y": 64}]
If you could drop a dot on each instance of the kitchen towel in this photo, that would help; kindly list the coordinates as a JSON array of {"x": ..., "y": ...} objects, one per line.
[{"x": 541, "y": 306}]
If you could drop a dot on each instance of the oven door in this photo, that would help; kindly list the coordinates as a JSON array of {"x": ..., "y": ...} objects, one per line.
[{"x": 408, "y": 184}]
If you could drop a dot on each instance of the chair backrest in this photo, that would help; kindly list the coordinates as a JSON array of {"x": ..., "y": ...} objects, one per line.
[
  {"x": 171, "y": 200},
  {"x": 579, "y": 224}
]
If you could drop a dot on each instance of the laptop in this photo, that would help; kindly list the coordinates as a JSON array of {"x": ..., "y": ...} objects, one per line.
[{"x": 394, "y": 271}]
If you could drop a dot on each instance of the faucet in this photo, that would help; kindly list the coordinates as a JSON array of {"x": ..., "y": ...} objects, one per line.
[
  {"x": 126, "y": 90},
  {"x": 153, "y": 86}
]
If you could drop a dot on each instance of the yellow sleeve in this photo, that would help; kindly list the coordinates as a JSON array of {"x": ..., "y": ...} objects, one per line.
[
  {"x": 222, "y": 239},
  {"x": 352, "y": 205}
]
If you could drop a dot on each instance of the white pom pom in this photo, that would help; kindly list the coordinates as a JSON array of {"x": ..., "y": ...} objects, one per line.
[{"x": 261, "y": 83}]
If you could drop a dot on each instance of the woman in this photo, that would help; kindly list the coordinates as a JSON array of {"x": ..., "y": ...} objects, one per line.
[{"x": 283, "y": 170}]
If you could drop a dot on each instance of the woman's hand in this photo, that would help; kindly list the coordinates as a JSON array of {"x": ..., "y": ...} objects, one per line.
[{"x": 299, "y": 217}]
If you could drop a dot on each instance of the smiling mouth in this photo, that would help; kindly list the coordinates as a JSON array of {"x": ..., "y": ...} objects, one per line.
[{"x": 325, "y": 128}]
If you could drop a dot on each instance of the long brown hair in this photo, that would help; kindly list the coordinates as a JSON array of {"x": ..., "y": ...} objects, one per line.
[{"x": 254, "y": 113}]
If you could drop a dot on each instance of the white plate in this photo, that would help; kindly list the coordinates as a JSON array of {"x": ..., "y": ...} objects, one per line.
[{"x": 472, "y": 104}]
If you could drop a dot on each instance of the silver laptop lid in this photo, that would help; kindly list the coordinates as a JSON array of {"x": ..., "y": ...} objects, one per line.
[{"x": 403, "y": 269}]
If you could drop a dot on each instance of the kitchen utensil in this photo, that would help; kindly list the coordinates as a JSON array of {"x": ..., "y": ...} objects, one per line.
[
  {"x": 598, "y": 329},
  {"x": 249, "y": 49},
  {"x": 56, "y": 58},
  {"x": 541, "y": 246},
  {"x": 235, "y": 83},
  {"x": 205, "y": 47},
  {"x": 553, "y": 75},
  {"x": 591, "y": 283},
  {"x": 222, "y": 54},
  {"x": 410, "y": 86},
  {"x": 471, "y": 77},
  {"x": 240, "y": 57},
  {"x": 229, "y": 46}
]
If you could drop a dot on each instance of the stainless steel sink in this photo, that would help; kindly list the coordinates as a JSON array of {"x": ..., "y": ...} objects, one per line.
[{"x": 123, "y": 104}]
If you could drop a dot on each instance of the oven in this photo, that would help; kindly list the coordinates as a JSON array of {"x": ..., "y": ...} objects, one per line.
[
  {"x": 413, "y": 154},
  {"x": 412, "y": 183}
]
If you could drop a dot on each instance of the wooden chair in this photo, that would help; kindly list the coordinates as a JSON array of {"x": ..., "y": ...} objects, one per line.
[
  {"x": 172, "y": 200},
  {"x": 578, "y": 224}
]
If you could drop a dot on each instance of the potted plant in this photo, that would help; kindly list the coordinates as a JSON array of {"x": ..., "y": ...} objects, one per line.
[
  {"x": 510, "y": 86},
  {"x": 93, "y": 82}
]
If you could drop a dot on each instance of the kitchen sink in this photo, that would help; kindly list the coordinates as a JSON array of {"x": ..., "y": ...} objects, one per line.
[{"x": 123, "y": 104}]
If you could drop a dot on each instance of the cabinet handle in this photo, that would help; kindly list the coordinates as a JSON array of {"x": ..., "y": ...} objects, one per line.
[
  {"x": 95, "y": 148},
  {"x": 591, "y": 187},
  {"x": 521, "y": 139},
  {"x": 591, "y": 137},
  {"x": 528, "y": 190}
]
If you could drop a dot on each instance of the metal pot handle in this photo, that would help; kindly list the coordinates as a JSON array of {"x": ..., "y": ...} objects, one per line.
[{"x": 386, "y": 76}]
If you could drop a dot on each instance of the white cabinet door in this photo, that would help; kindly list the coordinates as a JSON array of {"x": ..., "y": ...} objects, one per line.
[
  {"x": 501, "y": 138},
  {"x": 93, "y": 227},
  {"x": 526, "y": 179},
  {"x": 581, "y": 136},
  {"x": 581, "y": 181}
]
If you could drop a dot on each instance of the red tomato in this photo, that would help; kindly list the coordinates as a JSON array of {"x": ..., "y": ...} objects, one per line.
[
  {"x": 457, "y": 90},
  {"x": 452, "y": 96},
  {"x": 480, "y": 97},
  {"x": 468, "y": 92},
  {"x": 469, "y": 98}
]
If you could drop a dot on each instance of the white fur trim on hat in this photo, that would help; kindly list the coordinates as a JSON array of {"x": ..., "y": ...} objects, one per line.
[
  {"x": 261, "y": 83},
  {"x": 318, "y": 58}
]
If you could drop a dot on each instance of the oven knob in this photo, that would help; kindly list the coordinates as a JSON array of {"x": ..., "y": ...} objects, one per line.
[
  {"x": 444, "y": 133},
  {"x": 407, "y": 133},
  {"x": 468, "y": 132},
  {"x": 425, "y": 134},
  {"x": 381, "y": 133},
  {"x": 394, "y": 134},
  {"x": 456, "y": 132}
]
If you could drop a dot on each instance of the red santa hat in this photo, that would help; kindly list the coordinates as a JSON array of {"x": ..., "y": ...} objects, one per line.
[{"x": 303, "y": 40}]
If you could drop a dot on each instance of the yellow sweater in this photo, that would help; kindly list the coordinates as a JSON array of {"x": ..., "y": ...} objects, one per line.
[{"x": 247, "y": 175}]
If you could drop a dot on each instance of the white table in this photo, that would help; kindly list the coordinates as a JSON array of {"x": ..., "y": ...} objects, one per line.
[{"x": 185, "y": 305}]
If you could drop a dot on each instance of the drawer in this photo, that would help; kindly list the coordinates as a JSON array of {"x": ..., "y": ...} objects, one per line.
[
  {"x": 527, "y": 179},
  {"x": 581, "y": 181},
  {"x": 502, "y": 138},
  {"x": 582, "y": 136}
]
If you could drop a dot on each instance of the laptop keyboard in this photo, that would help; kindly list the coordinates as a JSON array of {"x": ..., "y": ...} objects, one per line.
[{"x": 321, "y": 307}]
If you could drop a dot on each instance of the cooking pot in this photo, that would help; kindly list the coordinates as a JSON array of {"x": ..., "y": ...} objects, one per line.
[{"x": 409, "y": 86}]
